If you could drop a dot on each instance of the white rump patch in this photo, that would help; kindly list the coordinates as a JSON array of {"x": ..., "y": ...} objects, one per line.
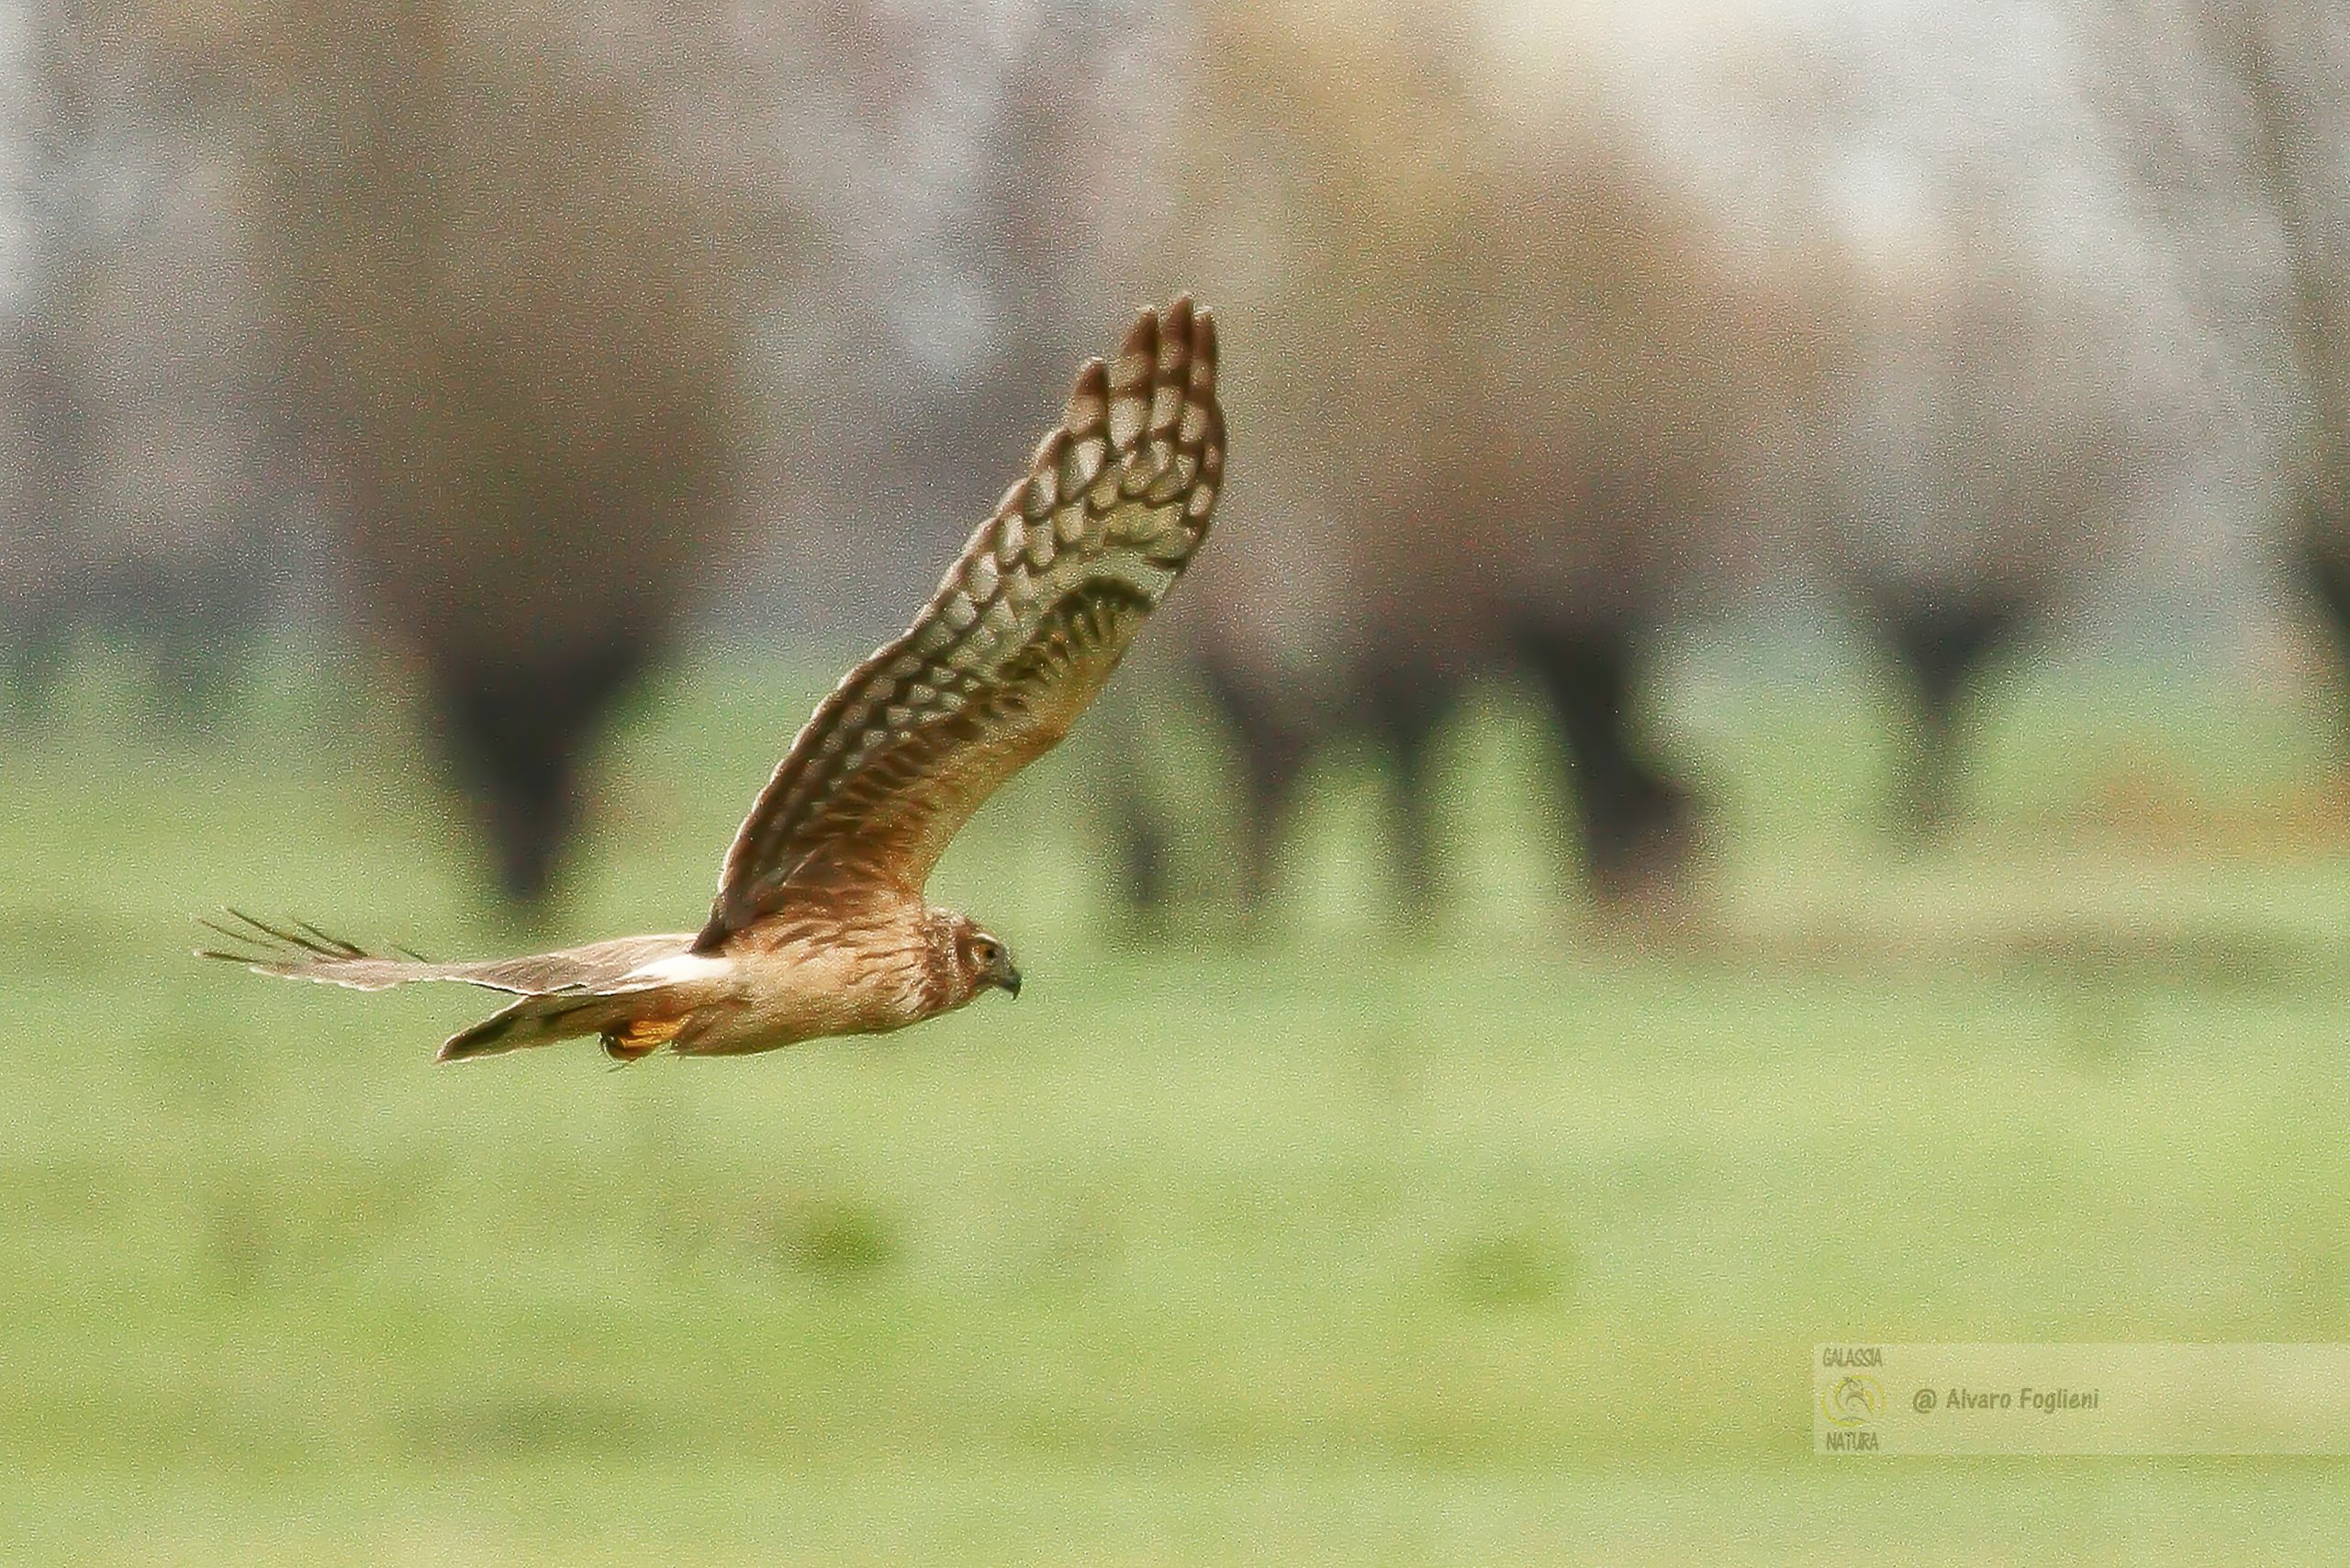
[{"x": 680, "y": 968}]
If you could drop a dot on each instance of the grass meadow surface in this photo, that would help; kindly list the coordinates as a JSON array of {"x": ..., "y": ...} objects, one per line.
[{"x": 1502, "y": 1243}]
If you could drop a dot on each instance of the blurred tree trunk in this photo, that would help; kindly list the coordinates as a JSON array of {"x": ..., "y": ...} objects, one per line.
[
  {"x": 516, "y": 335},
  {"x": 2235, "y": 116},
  {"x": 2280, "y": 139}
]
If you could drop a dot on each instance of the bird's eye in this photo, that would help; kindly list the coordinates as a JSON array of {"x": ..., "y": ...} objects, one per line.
[{"x": 983, "y": 950}]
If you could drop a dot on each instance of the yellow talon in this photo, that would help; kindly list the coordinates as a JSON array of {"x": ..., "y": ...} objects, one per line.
[{"x": 640, "y": 1037}]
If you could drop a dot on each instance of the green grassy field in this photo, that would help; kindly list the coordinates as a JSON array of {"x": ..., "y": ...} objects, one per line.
[{"x": 1504, "y": 1244}]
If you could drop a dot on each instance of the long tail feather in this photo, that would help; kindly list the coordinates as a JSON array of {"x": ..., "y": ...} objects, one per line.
[
  {"x": 619, "y": 989},
  {"x": 299, "y": 950}
]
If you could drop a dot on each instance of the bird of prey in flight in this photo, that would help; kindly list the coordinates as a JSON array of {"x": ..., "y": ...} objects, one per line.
[{"x": 821, "y": 926}]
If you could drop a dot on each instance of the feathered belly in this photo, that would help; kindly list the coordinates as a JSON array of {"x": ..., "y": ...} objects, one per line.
[{"x": 785, "y": 997}]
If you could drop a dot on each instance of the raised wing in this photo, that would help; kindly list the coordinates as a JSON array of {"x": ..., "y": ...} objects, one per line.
[{"x": 1020, "y": 636}]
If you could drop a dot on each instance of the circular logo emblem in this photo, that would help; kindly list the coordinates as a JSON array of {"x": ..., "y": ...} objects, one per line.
[{"x": 1853, "y": 1400}]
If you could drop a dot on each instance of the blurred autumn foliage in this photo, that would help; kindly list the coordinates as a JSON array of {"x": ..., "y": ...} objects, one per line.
[{"x": 522, "y": 341}]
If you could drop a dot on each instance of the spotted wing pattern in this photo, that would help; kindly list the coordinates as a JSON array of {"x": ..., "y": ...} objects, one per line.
[{"x": 1020, "y": 636}]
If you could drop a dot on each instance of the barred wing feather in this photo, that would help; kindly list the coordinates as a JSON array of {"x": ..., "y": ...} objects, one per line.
[{"x": 1021, "y": 635}]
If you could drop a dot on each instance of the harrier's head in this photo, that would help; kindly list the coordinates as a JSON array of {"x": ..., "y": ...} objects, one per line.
[{"x": 976, "y": 960}]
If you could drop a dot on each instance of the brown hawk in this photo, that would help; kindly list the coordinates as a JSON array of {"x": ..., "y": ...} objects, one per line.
[{"x": 820, "y": 926}]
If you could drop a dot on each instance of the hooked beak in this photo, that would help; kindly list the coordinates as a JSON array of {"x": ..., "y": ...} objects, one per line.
[{"x": 1001, "y": 973}]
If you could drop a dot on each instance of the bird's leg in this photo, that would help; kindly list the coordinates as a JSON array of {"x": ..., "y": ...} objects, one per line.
[{"x": 640, "y": 1037}]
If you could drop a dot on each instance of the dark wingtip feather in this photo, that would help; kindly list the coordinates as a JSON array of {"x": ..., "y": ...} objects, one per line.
[
  {"x": 1088, "y": 399},
  {"x": 338, "y": 944},
  {"x": 1177, "y": 334},
  {"x": 1141, "y": 342},
  {"x": 295, "y": 945},
  {"x": 291, "y": 938},
  {"x": 220, "y": 930}
]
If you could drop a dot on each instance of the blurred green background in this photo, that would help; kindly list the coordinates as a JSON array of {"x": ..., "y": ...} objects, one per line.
[
  {"x": 1837, "y": 510},
  {"x": 1502, "y": 1243}
]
